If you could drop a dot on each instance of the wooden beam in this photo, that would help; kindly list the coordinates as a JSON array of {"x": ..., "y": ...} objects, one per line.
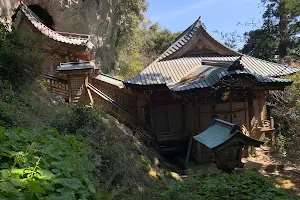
[
  {"x": 90, "y": 96},
  {"x": 70, "y": 89},
  {"x": 250, "y": 110},
  {"x": 189, "y": 149}
]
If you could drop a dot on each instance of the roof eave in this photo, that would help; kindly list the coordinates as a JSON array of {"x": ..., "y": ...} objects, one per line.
[{"x": 150, "y": 87}]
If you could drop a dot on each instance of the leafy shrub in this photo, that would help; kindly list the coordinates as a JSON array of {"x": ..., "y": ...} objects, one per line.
[
  {"x": 285, "y": 109},
  {"x": 22, "y": 108},
  {"x": 79, "y": 119},
  {"x": 41, "y": 163},
  {"x": 20, "y": 57},
  {"x": 224, "y": 186}
]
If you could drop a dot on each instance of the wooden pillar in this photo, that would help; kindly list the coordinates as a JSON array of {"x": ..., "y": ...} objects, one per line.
[
  {"x": 70, "y": 89},
  {"x": 250, "y": 116},
  {"x": 273, "y": 132},
  {"x": 245, "y": 110},
  {"x": 230, "y": 108},
  {"x": 197, "y": 130},
  {"x": 250, "y": 110},
  {"x": 152, "y": 113},
  {"x": 184, "y": 117}
]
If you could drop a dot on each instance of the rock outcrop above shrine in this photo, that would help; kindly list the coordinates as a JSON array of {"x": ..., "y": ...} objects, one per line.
[{"x": 97, "y": 18}]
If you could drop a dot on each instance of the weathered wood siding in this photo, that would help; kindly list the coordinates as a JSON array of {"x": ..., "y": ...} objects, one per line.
[
  {"x": 121, "y": 96},
  {"x": 168, "y": 121},
  {"x": 201, "y": 152}
]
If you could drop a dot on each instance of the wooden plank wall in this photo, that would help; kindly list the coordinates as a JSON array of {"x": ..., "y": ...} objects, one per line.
[
  {"x": 121, "y": 96},
  {"x": 201, "y": 152},
  {"x": 168, "y": 121}
]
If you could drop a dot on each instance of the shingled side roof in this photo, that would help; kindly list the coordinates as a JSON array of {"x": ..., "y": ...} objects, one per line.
[
  {"x": 172, "y": 71},
  {"x": 210, "y": 76}
]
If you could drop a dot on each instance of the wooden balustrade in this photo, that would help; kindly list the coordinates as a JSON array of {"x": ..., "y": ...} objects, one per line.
[{"x": 59, "y": 87}]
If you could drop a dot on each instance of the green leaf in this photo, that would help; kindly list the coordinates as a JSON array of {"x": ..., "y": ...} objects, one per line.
[
  {"x": 2, "y": 136},
  {"x": 8, "y": 187},
  {"x": 21, "y": 183},
  {"x": 90, "y": 186},
  {"x": 19, "y": 172},
  {"x": 73, "y": 183},
  {"x": 59, "y": 197},
  {"x": 47, "y": 186},
  {"x": 4, "y": 166},
  {"x": 34, "y": 187},
  {"x": 66, "y": 191},
  {"x": 55, "y": 171},
  {"x": 53, "y": 151},
  {"x": 5, "y": 174},
  {"x": 44, "y": 175}
]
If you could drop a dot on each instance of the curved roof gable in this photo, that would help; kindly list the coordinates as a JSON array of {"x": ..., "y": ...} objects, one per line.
[
  {"x": 194, "y": 36},
  {"x": 74, "y": 39}
]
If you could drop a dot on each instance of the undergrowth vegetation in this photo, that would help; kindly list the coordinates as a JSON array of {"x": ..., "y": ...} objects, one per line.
[
  {"x": 76, "y": 152},
  {"x": 40, "y": 162},
  {"x": 50, "y": 151},
  {"x": 246, "y": 186}
]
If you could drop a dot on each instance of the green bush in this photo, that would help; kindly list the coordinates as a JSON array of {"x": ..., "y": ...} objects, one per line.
[
  {"x": 285, "y": 108},
  {"x": 20, "y": 58},
  {"x": 24, "y": 109},
  {"x": 225, "y": 186},
  {"x": 80, "y": 120},
  {"x": 41, "y": 163}
]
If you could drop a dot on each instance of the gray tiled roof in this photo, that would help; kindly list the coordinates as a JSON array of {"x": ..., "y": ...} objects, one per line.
[
  {"x": 220, "y": 132},
  {"x": 208, "y": 76},
  {"x": 79, "y": 40},
  {"x": 74, "y": 66},
  {"x": 181, "y": 41},
  {"x": 185, "y": 38},
  {"x": 178, "y": 60},
  {"x": 259, "y": 66},
  {"x": 172, "y": 71}
]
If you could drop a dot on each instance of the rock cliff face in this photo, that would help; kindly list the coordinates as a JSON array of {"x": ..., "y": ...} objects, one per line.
[{"x": 94, "y": 17}]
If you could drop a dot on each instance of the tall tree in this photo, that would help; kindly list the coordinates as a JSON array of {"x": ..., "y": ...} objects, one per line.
[
  {"x": 131, "y": 15},
  {"x": 261, "y": 43},
  {"x": 279, "y": 34},
  {"x": 18, "y": 65},
  {"x": 150, "y": 41},
  {"x": 284, "y": 14}
]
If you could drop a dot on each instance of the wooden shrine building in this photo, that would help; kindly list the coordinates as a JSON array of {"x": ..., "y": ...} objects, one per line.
[
  {"x": 194, "y": 81},
  {"x": 68, "y": 56}
]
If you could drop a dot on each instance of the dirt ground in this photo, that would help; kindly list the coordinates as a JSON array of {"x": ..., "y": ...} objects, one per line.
[{"x": 283, "y": 171}]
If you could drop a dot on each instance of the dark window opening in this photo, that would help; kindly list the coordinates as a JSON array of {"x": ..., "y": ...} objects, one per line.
[{"x": 43, "y": 15}]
